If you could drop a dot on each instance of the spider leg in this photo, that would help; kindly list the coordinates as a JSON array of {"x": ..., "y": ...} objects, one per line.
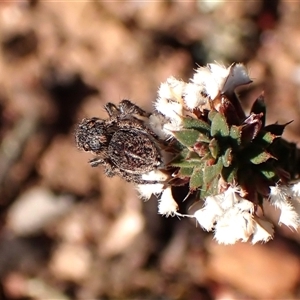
[
  {"x": 110, "y": 170},
  {"x": 95, "y": 162},
  {"x": 111, "y": 109},
  {"x": 126, "y": 108},
  {"x": 135, "y": 178}
]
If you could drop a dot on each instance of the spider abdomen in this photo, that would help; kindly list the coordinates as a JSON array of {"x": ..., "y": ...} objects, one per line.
[{"x": 133, "y": 151}]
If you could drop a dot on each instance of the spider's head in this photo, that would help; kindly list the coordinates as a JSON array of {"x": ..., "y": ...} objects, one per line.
[{"x": 91, "y": 135}]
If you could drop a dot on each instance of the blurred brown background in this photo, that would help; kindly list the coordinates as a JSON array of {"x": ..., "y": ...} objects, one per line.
[{"x": 67, "y": 232}]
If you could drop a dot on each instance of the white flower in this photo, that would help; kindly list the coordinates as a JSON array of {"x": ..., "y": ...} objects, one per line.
[
  {"x": 169, "y": 101},
  {"x": 282, "y": 197},
  {"x": 234, "y": 225},
  {"x": 146, "y": 190},
  {"x": 263, "y": 231},
  {"x": 231, "y": 217},
  {"x": 210, "y": 213},
  {"x": 194, "y": 96},
  {"x": 170, "y": 109},
  {"x": 167, "y": 205},
  {"x": 296, "y": 189},
  {"x": 172, "y": 89},
  {"x": 157, "y": 123},
  {"x": 211, "y": 79}
]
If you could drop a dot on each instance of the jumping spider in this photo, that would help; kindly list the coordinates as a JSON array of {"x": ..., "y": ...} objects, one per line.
[{"x": 123, "y": 144}]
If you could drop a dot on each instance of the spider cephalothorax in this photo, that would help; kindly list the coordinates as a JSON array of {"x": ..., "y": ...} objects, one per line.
[{"x": 124, "y": 145}]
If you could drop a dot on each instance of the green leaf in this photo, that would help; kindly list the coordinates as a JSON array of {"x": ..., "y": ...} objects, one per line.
[
  {"x": 203, "y": 138},
  {"x": 213, "y": 187},
  {"x": 219, "y": 126},
  {"x": 268, "y": 137},
  {"x": 236, "y": 134},
  {"x": 191, "y": 123},
  {"x": 193, "y": 157},
  {"x": 269, "y": 174},
  {"x": 184, "y": 164},
  {"x": 185, "y": 172},
  {"x": 196, "y": 179},
  {"x": 227, "y": 158},
  {"x": 186, "y": 159},
  {"x": 187, "y": 137},
  {"x": 261, "y": 158},
  {"x": 210, "y": 172},
  {"x": 212, "y": 114},
  {"x": 214, "y": 148},
  {"x": 265, "y": 138}
]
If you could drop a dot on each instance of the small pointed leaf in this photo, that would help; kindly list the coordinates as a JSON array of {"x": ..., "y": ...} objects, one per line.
[
  {"x": 269, "y": 174},
  {"x": 214, "y": 148},
  {"x": 185, "y": 172},
  {"x": 236, "y": 134},
  {"x": 191, "y": 123},
  {"x": 212, "y": 114},
  {"x": 258, "y": 107},
  {"x": 203, "y": 138},
  {"x": 277, "y": 129},
  {"x": 265, "y": 138},
  {"x": 219, "y": 126},
  {"x": 210, "y": 172},
  {"x": 261, "y": 158},
  {"x": 187, "y": 137},
  {"x": 213, "y": 187},
  {"x": 227, "y": 158},
  {"x": 196, "y": 179},
  {"x": 193, "y": 157}
]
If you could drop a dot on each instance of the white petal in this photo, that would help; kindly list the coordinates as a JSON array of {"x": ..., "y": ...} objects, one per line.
[
  {"x": 172, "y": 126},
  {"x": 156, "y": 123},
  {"x": 194, "y": 96},
  {"x": 209, "y": 214},
  {"x": 245, "y": 206},
  {"x": 280, "y": 198},
  {"x": 167, "y": 205},
  {"x": 295, "y": 201},
  {"x": 263, "y": 231},
  {"x": 296, "y": 189},
  {"x": 219, "y": 73},
  {"x": 204, "y": 78},
  {"x": 177, "y": 88},
  {"x": 289, "y": 216},
  {"x": 229, "y": 199},
  {"x": 170, "y": 109},
  {"x": 164, "y": 91},
  {"x": 155, "y": 175},
  {"x": 147, "y": 190},
  {"x": 234, "y": 226}
]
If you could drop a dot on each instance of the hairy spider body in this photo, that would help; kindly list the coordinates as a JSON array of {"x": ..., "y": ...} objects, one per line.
[{"x": 123, "y": 144}]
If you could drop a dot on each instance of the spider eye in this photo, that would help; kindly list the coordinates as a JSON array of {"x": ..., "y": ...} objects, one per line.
[{"x": 95, "y": 145}]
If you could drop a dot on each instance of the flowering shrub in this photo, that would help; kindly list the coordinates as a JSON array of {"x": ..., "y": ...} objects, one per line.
[{"x": 233, "y": 163}]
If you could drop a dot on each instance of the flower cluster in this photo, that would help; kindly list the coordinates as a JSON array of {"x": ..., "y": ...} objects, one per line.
[{"x": 233, "y": 163}]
